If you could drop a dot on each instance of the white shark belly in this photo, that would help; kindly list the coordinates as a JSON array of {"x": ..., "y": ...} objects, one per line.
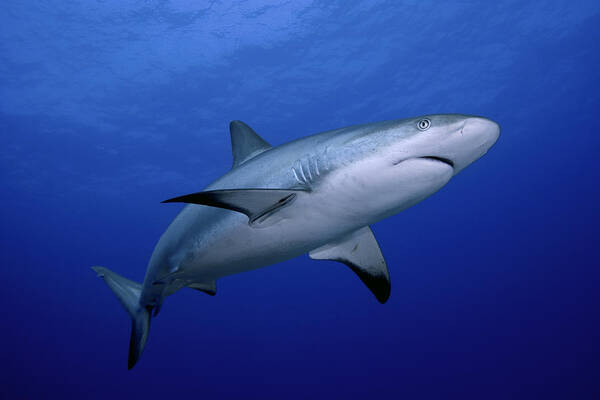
[{"x": 342, "y": 203}]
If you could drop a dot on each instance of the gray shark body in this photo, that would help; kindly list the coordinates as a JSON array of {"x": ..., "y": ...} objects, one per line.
[{"x": 318, "y": 194}]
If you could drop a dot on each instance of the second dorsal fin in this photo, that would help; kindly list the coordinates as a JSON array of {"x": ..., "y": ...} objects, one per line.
[{"x": 245, "y": 143}]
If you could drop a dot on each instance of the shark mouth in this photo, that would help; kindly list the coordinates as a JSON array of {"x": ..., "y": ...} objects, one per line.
[
  {"x": 446, "y": 161},
  {"x": 440, "y": 159}
]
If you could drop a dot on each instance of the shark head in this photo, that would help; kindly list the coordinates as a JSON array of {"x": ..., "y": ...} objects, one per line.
[
  {"x": 454, "y": 140},
  {"x": 399, "y": 163}
]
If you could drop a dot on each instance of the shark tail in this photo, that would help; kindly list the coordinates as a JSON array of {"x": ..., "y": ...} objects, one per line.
[{"x": 128, "y": 292}]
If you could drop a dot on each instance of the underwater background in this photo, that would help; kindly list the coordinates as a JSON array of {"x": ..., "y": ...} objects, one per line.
[{"x": 109, "y": 107}]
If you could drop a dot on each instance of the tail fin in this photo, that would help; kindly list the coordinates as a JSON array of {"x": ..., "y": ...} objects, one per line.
[{"x": 128, "y": 292}]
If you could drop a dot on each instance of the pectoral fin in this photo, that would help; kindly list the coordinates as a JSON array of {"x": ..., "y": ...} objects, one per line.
[
  {"x": 257, "y": 204},
  {"x": 360, "y": 251}
]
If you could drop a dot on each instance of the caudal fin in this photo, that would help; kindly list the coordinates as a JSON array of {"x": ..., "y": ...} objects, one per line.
[{"x": 128, "y": 292}]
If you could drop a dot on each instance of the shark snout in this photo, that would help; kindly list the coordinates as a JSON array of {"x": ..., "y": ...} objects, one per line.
[
  {"x": 475, "y": 138},
  {"x": 483, "y": 130}
]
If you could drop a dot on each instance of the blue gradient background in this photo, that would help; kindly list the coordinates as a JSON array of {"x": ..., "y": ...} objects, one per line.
[{"x": 109, "y": 107}]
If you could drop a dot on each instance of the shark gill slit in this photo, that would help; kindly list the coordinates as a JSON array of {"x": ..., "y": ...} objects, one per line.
[
  {"x": 308, "y": 173},
  {"x": 301, "y": 168},
  {"x": 296, "y": 175}
]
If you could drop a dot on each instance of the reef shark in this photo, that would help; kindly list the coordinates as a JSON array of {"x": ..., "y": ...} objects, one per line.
[{"x": 315, "y": 195}]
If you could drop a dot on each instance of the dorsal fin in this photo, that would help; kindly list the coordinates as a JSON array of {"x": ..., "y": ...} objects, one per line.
[{"x": 245, "y": 143}]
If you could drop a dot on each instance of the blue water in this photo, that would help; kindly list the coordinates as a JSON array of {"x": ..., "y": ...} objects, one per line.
[{"x": 109, "y": 107}]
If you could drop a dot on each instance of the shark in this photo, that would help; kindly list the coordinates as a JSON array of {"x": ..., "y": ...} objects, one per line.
[{"x": 317, "y": 195}]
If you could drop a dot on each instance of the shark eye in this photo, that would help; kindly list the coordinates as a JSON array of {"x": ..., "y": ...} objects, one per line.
[{"x": 423, "y": 124}]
